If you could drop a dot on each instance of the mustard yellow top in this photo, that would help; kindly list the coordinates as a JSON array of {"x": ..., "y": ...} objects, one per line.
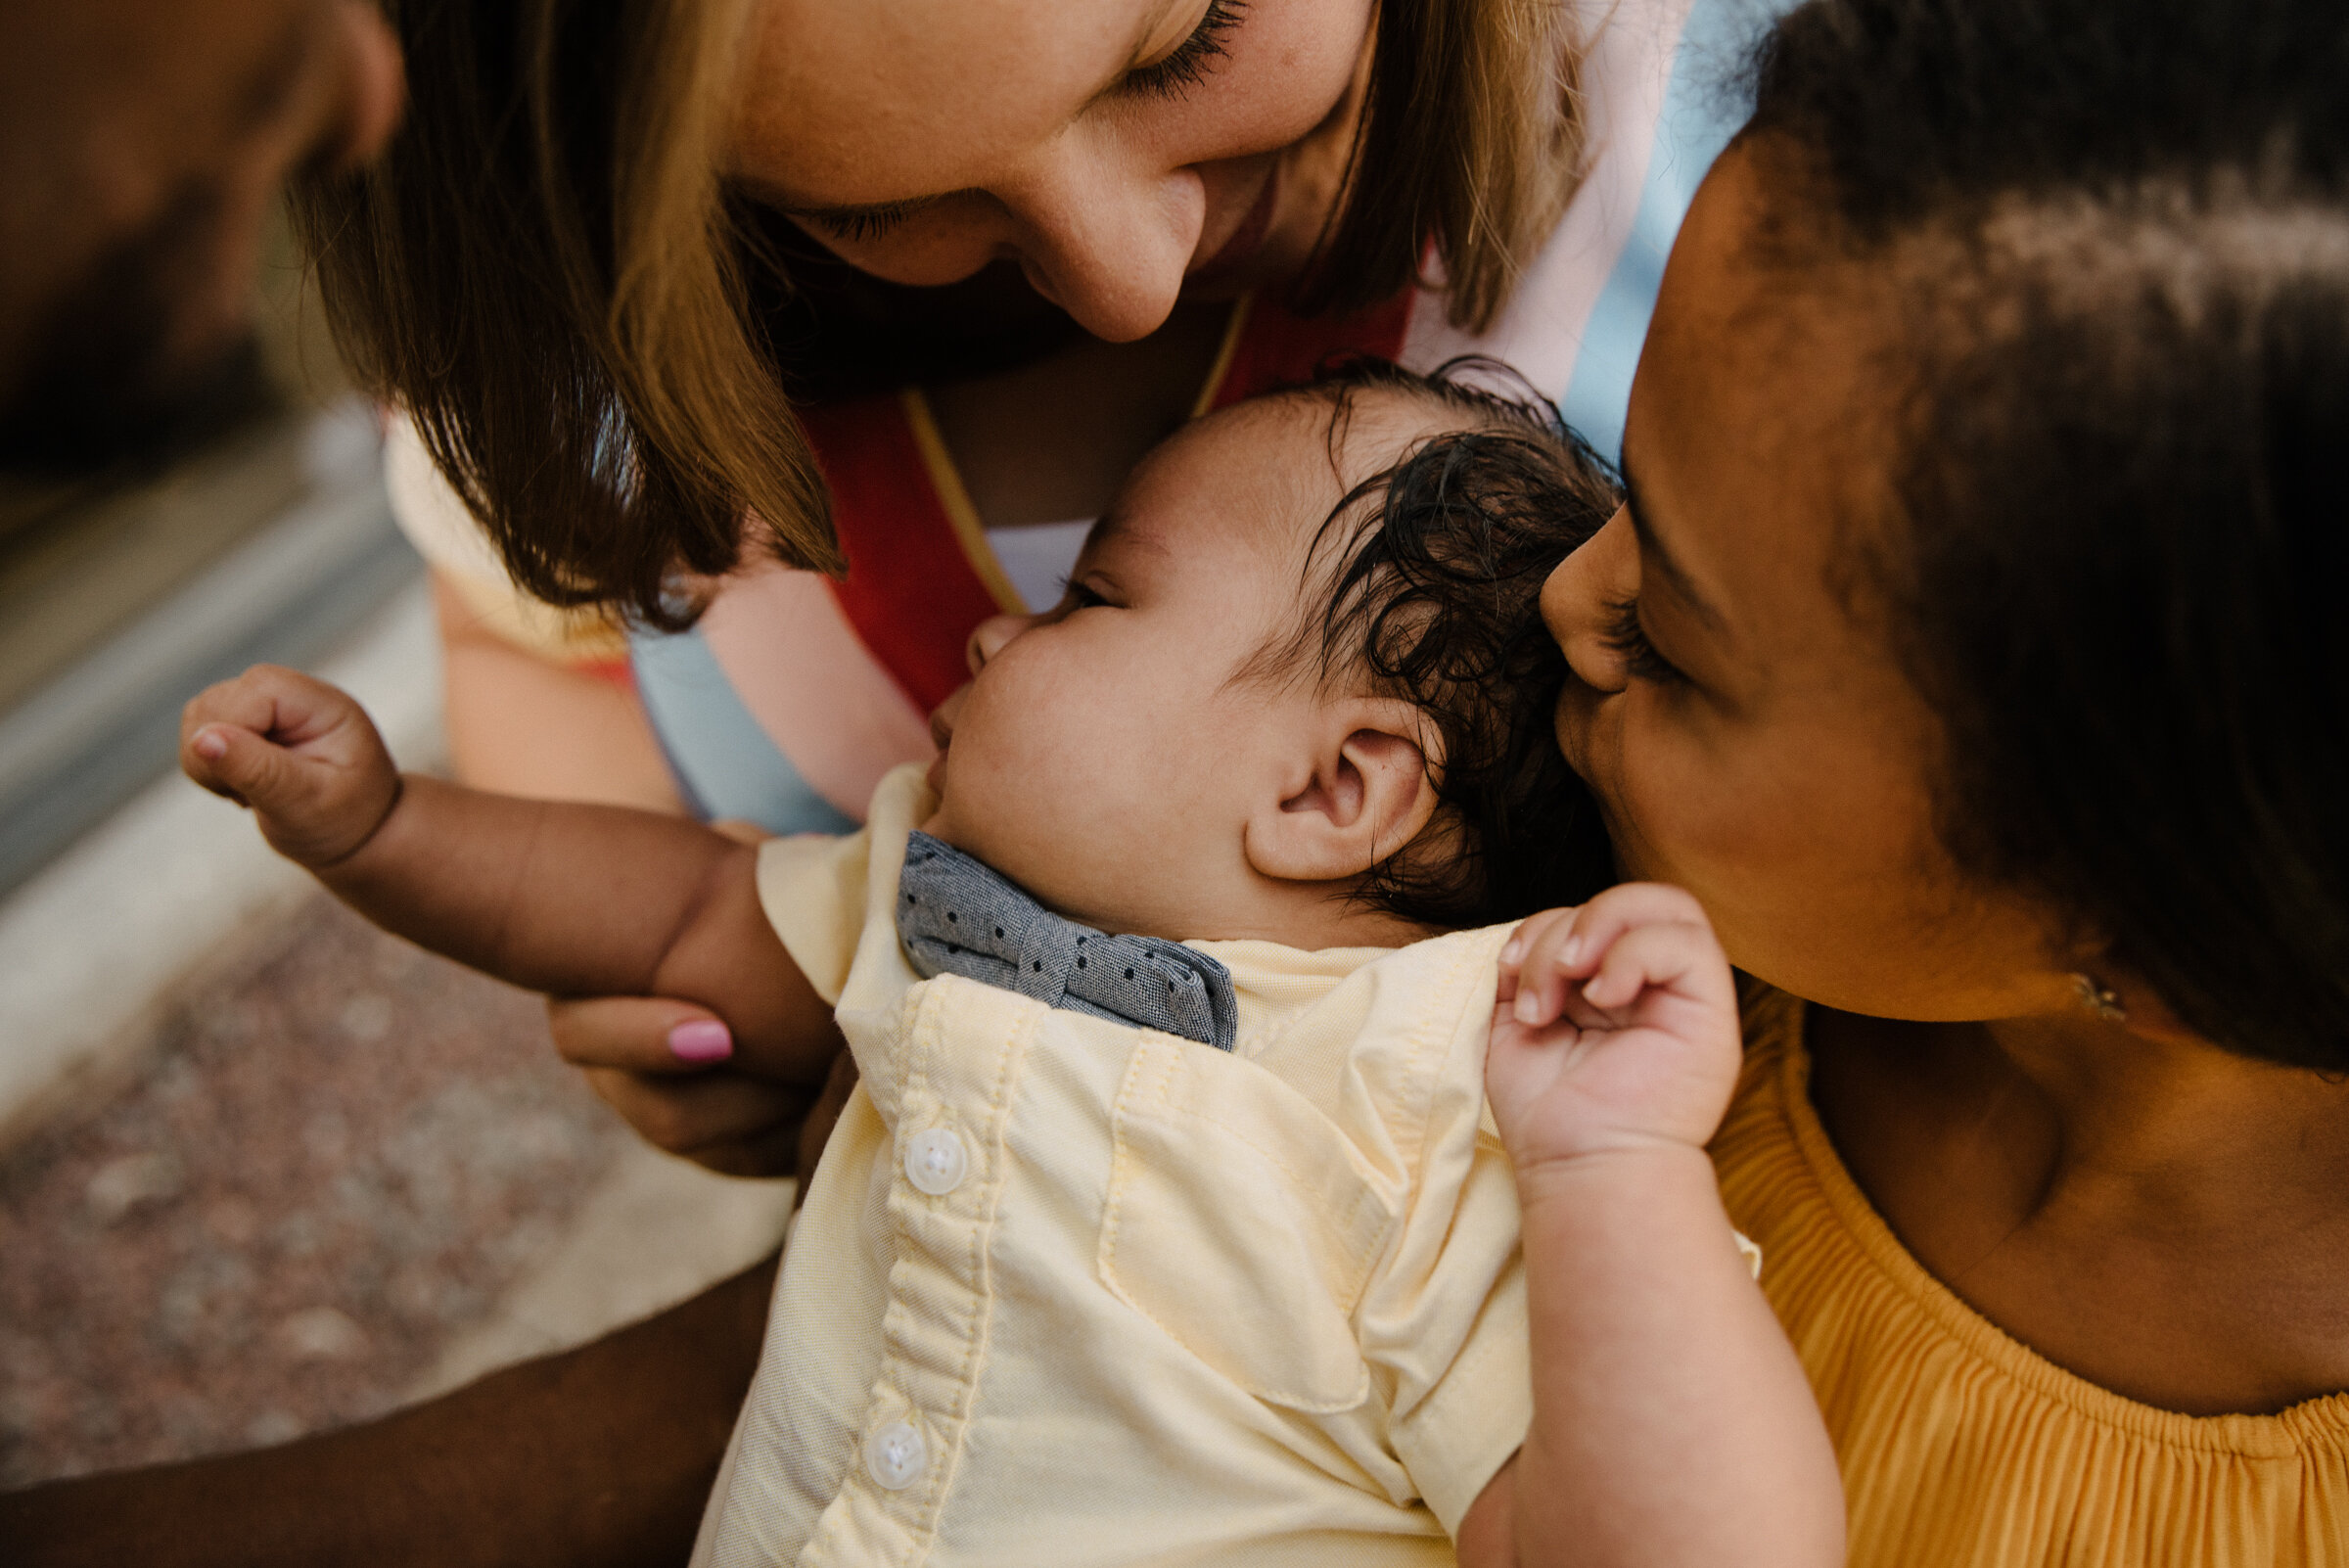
[{"x": 1959, "y": 1445}]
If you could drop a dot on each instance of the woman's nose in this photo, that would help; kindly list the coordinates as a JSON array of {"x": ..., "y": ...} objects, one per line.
[
  {"x": 1105, "y": 241},
  {"x": 992, "y": 635},
  {"x": 1579, "y": 599}
]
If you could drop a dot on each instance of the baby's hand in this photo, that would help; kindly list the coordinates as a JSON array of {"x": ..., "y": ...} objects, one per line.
[
  {"x": 301, "y": 752},
  {"x": 1616, "y": 1025}
]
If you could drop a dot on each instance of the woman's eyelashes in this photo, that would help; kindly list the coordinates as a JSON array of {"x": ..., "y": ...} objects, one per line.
[
  {"x": 867, "y": 222},
  {"x": 1185, "y": 68},
  {"x": 1628, "y": 640},
  {"x": 1193, "y": 58},
  {"x": 1075, "y": 596}
]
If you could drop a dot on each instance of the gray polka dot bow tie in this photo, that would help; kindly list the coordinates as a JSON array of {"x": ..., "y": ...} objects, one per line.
[{"x": 956, "y": 916}]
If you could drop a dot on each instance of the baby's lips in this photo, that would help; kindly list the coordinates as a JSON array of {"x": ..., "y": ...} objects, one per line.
[{"x": 941, "y": 717}]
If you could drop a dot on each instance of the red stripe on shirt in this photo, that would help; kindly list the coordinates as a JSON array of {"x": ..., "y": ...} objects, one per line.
[{"x": 910, "y": 591}]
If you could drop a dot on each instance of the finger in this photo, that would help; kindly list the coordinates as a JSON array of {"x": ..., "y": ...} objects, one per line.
[
  {"x": 1570, "y": 953},
  {"x": 693, "y": 1116},
  {"x": 238, "y": 704},
  {"x": 251, "y": 701},
  {"x": 1604, "y": 919},
  {"x": 1521, "y": 942},
  {"x": 301, "y": 709},
  {"x": 1556, "y": 959},
  {"x": 1668, "y": 958},
  {"x": 234, "y": 760},
  {"x": 655, "y": 1034}
]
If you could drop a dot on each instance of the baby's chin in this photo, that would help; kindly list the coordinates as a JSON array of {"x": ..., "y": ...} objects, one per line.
[
  {"x": 1009, "y": 854},
  {"x": 948, "y": 827}
]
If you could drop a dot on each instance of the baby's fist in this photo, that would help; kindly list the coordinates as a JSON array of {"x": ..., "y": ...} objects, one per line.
[
  {"x": 301, "y": 752},
  {"x": 1615, "y": 1024}
]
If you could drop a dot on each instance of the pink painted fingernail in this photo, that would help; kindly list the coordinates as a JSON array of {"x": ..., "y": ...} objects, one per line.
[{"x": 702, "y": 1039}]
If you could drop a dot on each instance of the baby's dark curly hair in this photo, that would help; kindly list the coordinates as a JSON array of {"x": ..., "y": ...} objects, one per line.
[{"x": 1429, "y": 576}]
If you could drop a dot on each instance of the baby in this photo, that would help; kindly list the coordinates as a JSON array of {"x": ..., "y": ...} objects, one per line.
[{"x": 1168, "y": 1221}]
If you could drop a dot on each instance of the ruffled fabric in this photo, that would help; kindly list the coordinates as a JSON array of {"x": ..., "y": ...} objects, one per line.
[{"x": 1959, "y": 1445}]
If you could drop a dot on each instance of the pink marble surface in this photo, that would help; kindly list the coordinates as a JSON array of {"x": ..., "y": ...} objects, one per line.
[{"x": 344, "y": 1150}]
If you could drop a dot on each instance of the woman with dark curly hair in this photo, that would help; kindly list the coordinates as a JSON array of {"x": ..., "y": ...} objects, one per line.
[{"x": 1970, "y": 647}]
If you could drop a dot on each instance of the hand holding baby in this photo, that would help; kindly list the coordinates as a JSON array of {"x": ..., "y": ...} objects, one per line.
[
  {"x": 302, "y": 754},
  {"x": 1614, "y": 1029}
]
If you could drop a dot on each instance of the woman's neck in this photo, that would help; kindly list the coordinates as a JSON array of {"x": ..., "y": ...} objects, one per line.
[{"x": 2164, "y": 1219}]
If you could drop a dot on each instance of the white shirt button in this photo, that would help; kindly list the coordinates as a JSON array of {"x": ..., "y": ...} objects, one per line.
[
  {"x": 937, "y": 1160},
  {"x": 895, "y": 1456}
]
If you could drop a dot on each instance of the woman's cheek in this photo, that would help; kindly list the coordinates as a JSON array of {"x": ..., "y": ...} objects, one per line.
[
  {"x": 1667, "y": 798},
  {"x": 1292, "y": 69}
]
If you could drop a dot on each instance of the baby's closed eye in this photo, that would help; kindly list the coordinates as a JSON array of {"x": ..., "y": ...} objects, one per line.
[{"x": 1074, "y": 595}]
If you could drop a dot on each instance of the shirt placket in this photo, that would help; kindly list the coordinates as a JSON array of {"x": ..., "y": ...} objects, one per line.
[{"x": 964, "y": 1047}]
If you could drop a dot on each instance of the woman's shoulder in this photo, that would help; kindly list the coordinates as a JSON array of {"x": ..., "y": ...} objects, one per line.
[{"x": 1959, "y": 1444}]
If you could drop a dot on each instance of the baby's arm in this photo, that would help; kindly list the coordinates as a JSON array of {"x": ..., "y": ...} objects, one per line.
[
  {"x": 1672, "y": 1420},
  {"x": 565, "y": 898}
]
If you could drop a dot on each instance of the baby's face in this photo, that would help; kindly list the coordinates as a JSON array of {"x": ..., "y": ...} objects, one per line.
[{"x": 1104, "y": 755}]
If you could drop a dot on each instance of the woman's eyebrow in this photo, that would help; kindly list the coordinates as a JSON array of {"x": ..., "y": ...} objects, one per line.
[{"x": 1653, "y": 553}]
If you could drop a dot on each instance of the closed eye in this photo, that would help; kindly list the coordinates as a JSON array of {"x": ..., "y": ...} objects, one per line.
[
  {"x": 1074, "y": 595},
  {"x": 1628, "y": 640},
  {"x": 866, "y": 222},
  {"x": 1191, "y": 61}
]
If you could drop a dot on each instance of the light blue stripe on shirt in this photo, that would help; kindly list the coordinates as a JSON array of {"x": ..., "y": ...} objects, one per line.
[
  {"x": 724, "y": 765},
  {"x": 1704, "y": 105}
]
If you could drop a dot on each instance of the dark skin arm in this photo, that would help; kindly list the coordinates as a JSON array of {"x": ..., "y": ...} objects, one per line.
[
  {"x": 596, "y": 1458},
  {"x": 566, "y": 899},
  {"x": 603, "y": 1454}
]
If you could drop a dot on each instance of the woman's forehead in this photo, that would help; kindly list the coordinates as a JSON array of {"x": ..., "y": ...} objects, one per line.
[
  {"x": 1762, "y": 425},
  {"x": 849, "y": 102}
]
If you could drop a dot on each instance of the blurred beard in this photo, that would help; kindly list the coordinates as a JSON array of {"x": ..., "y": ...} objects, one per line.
[{"x": 102, "y": 391}]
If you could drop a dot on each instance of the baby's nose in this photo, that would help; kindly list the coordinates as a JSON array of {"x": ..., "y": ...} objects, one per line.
[{"x": 989, "y": 639}]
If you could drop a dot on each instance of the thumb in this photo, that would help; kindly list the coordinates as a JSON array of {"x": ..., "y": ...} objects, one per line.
[
  {"x": 232, "y": 760},
  {"x": 657, "y": 1034}
]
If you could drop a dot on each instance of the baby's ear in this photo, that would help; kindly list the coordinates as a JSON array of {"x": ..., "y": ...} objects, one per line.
[{"x": 1359, "y": 791}]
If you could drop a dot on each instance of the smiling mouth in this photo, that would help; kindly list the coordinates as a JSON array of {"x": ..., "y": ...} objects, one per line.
[{"x": 1246, "y": 241}]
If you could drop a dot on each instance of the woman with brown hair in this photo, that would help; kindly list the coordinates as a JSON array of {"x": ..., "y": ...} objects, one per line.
[{"x": 688, "y": 305}]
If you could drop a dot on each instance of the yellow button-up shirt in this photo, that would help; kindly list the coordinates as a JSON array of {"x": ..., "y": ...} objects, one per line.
[{"x": 1067, "y": 1291}]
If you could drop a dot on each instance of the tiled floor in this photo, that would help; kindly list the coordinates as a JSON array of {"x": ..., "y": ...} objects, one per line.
[{"x": 345, "y": 1154}]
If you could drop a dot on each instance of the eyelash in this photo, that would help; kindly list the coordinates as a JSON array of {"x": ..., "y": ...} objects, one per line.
[
  {"x": 1172, "y": 77},
  {"x": 870, "y": 224},
  {"x": 1193, "y": 58},
  {"x": 1079, "y": 596},
  {"x": 1628, "y": 640}
]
